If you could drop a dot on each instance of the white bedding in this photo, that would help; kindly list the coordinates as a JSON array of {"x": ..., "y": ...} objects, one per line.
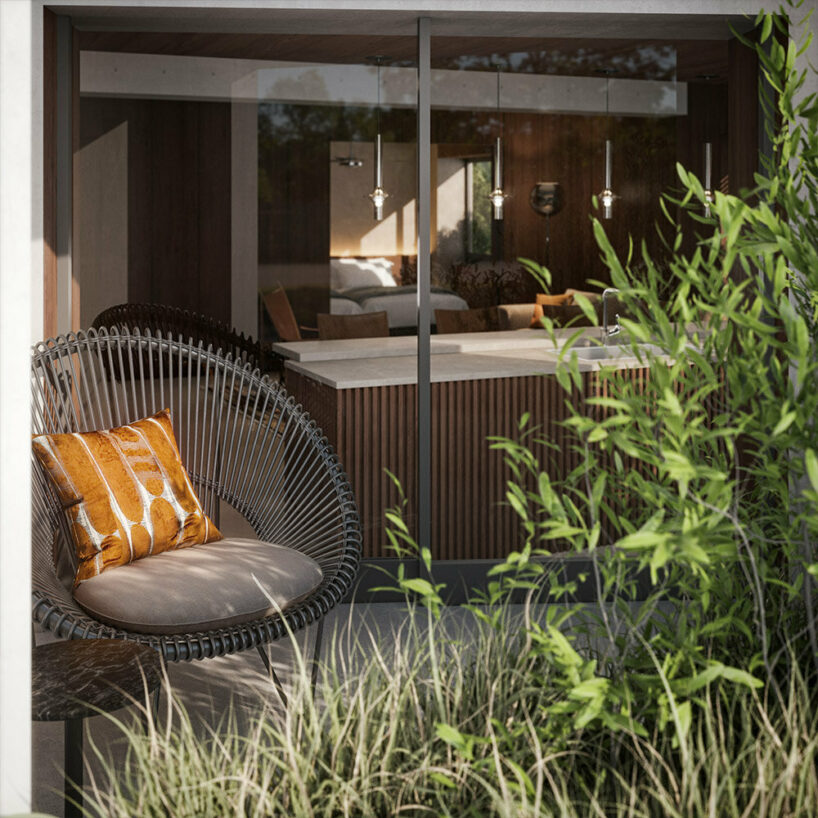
[
  {"x": 344, "y": 306},
  {"x": 367, "y": 285}
]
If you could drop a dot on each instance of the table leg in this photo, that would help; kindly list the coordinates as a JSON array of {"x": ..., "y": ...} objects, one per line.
[{"x": 73, "y": 768}]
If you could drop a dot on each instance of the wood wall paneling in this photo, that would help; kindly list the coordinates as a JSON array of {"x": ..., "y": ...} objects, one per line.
[
  {"x": 137, "y": 113},
  {"x": 213, "y": 171},
  {"x": 294, "y": 210},
  {"x": 742, "y": 113},
  {"x": 706, "y": 121},
  {"x": 178, "y": 199},
  {"x": 571, "y": 150}
]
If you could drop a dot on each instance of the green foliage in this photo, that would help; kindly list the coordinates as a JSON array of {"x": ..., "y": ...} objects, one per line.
[
  {"x": 703, "y": 473},
  {"x": 374, "y": 741},
  {"x": 481, "y": 209}
]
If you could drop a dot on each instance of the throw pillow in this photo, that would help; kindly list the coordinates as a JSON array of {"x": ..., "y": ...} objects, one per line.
[
  {"x": 349, "y": 273},
  {"x": 545, "y": 300},
  {"x": 126, "y": 493}
]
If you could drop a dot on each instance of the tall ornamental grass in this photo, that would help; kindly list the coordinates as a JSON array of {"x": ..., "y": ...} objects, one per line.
[{"x": 383, "y": 737}]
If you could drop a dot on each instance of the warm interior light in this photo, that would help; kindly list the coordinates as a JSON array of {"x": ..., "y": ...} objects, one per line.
[
  {"x": 708, "y": 177},
  {"x": 607, "y": 199},
  {"x": 607, "y": 196},
  {"x": 378, "y": 197},
  {"x": 497, "y": 197}
]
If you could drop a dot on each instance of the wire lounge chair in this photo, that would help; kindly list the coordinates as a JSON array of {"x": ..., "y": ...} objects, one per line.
[
  {"x": 163, "y": 320},
  {"x": 243, "y": 441}
]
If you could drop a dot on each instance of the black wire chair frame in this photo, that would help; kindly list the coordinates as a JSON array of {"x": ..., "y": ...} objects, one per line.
[
  {"x": 162, "y": 319},
  {"x": 243, "y": 440}
]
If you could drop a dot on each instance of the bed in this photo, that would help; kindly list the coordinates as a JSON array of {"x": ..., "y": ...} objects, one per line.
[{"x": 361, "y": 285}]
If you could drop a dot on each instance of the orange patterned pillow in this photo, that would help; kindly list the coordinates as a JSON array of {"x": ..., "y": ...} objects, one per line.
[
  {"x": 126, "y": 492},
  {"x": 545, "y": 300}
]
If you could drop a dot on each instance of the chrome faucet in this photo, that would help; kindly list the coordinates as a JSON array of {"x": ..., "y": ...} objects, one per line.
[{"x": 608, "y": 332}]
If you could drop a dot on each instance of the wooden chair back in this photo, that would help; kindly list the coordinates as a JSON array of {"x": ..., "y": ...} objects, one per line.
[
  {"x": 482, "y": 319},
  {"x": 281, "y": 313},
  {"x": 339, "y": 327}
]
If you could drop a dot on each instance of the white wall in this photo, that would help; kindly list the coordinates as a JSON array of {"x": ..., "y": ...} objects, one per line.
[
  {"x": 353, "y": 230},
  {"x": 450, "y": 196},
  {"x": 21, "y": 274}
]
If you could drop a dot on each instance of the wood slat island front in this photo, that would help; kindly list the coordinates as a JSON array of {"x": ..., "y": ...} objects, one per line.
[{"x": 367, "y": 407}]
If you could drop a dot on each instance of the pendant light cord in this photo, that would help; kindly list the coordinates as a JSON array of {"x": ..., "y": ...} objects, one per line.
[{"x": 378, "y": 108}]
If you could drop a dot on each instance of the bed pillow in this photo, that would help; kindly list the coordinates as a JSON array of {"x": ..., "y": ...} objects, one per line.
[
  {"x": 126, "y": 493},
  {"x": 543, "y": 300},
  {"x": 348, "y": 273}
]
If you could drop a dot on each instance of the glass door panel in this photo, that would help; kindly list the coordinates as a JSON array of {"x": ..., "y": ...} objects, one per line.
[
  {"x": 519, "y": 133},
  {"x": 240, "y": 187}
]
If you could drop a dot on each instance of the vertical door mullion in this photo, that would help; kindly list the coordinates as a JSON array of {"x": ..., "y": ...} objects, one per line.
[{"x": 424, "y": 386}]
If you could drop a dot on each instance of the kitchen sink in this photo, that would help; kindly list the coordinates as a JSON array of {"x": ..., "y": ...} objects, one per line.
[{"x": 614, "y": 352}]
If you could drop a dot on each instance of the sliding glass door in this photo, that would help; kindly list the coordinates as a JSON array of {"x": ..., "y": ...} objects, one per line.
[{"x": 363, "y": 201}]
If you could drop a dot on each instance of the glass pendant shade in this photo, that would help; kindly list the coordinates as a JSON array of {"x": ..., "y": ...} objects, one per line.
[
  {"x": 378, "y": 195},
  {"x": 607, "y": 195},
  {"x": 708, "y": 177},
  {"x": 497, "y": 197}
]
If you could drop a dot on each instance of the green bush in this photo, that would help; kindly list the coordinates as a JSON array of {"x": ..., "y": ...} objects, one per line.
[{"x": 705, "y": 475}]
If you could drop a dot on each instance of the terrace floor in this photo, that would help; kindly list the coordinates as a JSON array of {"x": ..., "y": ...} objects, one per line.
[{"x": 207, "y": 688}]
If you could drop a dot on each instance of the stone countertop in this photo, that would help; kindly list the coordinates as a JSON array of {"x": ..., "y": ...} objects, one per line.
[
  {"x": 406, "y": 345},
  {"x": 473, "y": 363}
]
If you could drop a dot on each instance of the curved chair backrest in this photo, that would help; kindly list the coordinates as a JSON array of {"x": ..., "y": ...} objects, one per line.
[
  {"x": 243, "y": 442},
  {"x": 191, "y": 326}
]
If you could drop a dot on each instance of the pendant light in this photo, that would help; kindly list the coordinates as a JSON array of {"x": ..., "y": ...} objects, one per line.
[
  {"x": 708, "y": 151},
  {"x": 708, "y": 177},
  {"x": 350, "y": 160},
  {"x": 497, "y": 196},
  {"x": 607, "y": 196},
  {"x": 378, "y": 195}
]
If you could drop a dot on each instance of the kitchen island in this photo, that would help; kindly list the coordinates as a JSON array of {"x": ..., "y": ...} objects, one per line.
[{"x": 362, "y": 393}]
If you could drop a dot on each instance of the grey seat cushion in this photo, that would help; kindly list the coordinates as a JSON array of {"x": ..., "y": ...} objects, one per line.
[{"x": 201, "y": 587}]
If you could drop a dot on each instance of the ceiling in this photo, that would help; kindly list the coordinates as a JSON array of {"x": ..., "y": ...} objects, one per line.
[{"x": 467, "y": 21}]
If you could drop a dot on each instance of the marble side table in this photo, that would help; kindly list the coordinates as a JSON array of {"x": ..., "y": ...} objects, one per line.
[{"x": 83, "y": 677}]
